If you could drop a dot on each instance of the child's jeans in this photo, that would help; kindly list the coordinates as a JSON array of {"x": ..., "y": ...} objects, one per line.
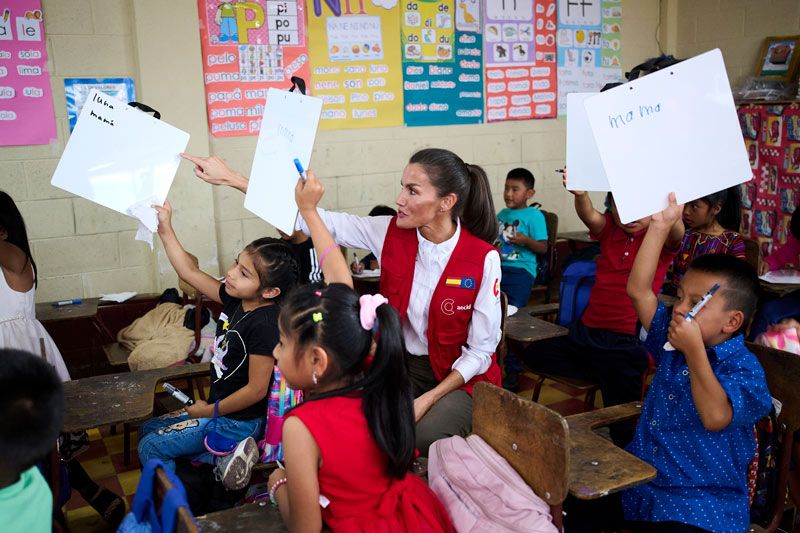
[
  {"x": 177, "y": 435},
  {"x": 517, "y": 284}
]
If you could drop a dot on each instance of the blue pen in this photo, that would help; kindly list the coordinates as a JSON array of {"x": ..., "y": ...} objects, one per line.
[
  {"x": 67, "y": 302},
  {"x": 299, "y": 167},
  {"x": 703, "y": 301}
]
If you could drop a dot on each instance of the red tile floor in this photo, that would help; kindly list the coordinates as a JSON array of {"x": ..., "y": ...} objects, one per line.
[{"x": 103, "y": 461}]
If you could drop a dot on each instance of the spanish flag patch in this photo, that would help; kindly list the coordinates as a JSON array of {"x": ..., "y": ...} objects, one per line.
[{"x": 462, "y": 283}]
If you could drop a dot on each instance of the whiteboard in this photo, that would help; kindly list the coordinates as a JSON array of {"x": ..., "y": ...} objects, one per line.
[
  {"x": 288, "y": 130},
  {"x": 585, "y": 170},
  {"x": 673, "y": 130},
  {"x": 120, "y": 157}
]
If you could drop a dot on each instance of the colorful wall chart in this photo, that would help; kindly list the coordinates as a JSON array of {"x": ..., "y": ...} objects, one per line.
[
  {"x": 26, "y": 105},
  {"x": 442, "y": 62},
  {"x": 248, "y": 47},
  {"x": 520, "y": 57},
  {"x": 76, "y": 91},
  {"x": 589, "y": 50},
  {"x": 772, "y": 138},
  {"x": 354, "y": 47}
]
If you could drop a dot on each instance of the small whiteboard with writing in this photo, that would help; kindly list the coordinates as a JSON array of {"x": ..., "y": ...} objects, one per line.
[
  {"x": 675, "y": 130},
  {"x": 585, "y": 170},
  {"x": 118, "y": 156},
  {"x": 288, "y": 130}
]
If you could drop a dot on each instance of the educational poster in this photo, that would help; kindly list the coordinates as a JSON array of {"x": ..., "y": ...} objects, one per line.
[
  {"x": 355, "y": 49},
  {"x": 589, "y": 49},
  {"x": 442, "y": 52},
  {"x": 248, "y": 47},
  {"x": 77, "y": 91},
  {"x": 520, "y": 57},
  {"x": 772, "y": 138},
  {"x": 26, "y": 105}
]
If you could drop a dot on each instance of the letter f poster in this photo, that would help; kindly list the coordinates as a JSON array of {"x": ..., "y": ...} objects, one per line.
[{"x": 248, "y": 47}]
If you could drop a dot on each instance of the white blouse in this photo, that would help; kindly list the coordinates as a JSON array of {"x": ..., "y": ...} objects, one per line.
[{"x": 484, "y": 331}]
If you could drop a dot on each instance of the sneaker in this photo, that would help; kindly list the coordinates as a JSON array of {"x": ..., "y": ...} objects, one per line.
[{"x": 234, "y": 469}]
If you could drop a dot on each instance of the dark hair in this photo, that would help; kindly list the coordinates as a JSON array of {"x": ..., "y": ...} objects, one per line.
[
  {"x": 651, "y": 65},
  {"x": 382, "y": 211},
  {"x": 524, "y": 175},
  {"x": 11, "y": 220},
  {"x": 449, "y": 174},
  {"x": 387, "y": 400},
  {"x": 794, "y": 224},
  {"x": 741, "y": 281},
  {"x": 31, "y": 409},
  {"x": 276, "y": 264},
  {"x": 730, "y": 202}
]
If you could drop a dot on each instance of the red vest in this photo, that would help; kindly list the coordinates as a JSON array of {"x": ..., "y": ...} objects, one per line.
[{"x": 451, "y": 306}]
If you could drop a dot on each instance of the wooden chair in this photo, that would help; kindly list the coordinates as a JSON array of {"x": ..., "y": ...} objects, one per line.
[
  {"x": 782, "y": 370},
  {"x": 502, "y": 347},
  {"x": 184, "y": 522},
  {"x": 532, "y": 438},
  {"x": 551, "y": 219},
  {"x": 752, "y": 252}
]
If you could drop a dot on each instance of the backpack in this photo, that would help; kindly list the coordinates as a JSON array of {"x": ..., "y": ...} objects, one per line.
[
  {"x": 762, "y": 476},
  {"x": 144, "y": 517},
  {"x": 481, "y": 491},
  {"x": 281, "y": 398},
  {"x": 576, "y": 286}
]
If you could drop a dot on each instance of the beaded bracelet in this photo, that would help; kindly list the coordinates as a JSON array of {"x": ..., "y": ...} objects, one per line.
[
  {"x": 278, "y": 484},
  {"x": 326, "y": 252}
]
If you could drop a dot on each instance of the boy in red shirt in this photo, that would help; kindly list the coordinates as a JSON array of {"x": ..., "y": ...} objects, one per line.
[{"x": 603, "y": 346}]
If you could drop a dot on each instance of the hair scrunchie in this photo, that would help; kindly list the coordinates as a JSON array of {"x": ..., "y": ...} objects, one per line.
[{"x": 369, "y": 305}]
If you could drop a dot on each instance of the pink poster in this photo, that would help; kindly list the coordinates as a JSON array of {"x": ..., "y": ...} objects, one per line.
[{"x": 26, "y": 106}]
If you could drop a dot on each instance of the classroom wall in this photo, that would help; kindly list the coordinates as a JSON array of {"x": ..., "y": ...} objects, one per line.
[
  {"x": 84, "y": 250},
  {"x": 737, "y": 27}
]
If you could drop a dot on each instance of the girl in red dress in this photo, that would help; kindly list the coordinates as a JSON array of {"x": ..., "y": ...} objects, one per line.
[{"x": 348, "y": 448}]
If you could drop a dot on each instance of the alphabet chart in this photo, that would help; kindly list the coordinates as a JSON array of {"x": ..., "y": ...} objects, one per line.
[
  {"x": 520, "y": 57},
  {"x": 589, "y": 49},
  {"x": 26, "y": 106},
  {"x": 249, "y": 47},
  {"x": 442, "y": 82}
]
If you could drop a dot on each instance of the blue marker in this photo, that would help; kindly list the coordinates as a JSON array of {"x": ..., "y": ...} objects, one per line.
[
  {"x": 299, "y": 167},
  {"x": 67, "y": 302},
  {"x": 703, "y": 301}
]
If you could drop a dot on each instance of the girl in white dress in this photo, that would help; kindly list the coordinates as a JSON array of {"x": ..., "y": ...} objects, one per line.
[{"x": 18, "y": 325}]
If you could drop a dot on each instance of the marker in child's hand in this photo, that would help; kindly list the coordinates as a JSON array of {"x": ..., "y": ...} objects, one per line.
[
  {"x": 178, "y": 394},
  {"x": 299, "y": 167},
  {"x": 696, "y": 309},
  {"x": 560, "y": 170}
]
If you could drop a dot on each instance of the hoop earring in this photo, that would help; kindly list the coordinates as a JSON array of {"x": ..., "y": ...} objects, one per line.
[{"x": 314, "y": 377}]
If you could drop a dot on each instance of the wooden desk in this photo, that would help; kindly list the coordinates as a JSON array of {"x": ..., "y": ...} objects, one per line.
[
  {"x": 118, "y": 398},
  {"x": 779, "y": 289},
  {"x": 366, "y": 285},
  {"x": 575, "y": 237},
  {"x": 86, "y": 309},
  {"x": 524, "y": 328},
  {"x": 597, "y": 466},
  {"x": 261, "y": 516}
]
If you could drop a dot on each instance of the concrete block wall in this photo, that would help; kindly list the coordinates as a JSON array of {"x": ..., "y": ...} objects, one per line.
[
  {"x": 737, "y": 27},
  {"x": 84, "y": 250}
]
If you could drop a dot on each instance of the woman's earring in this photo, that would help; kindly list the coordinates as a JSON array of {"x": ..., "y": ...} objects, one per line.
[{"x": 314, "y": 377}]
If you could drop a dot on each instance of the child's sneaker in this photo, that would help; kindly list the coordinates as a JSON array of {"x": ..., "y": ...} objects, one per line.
[{"x": 234, "y": 469}]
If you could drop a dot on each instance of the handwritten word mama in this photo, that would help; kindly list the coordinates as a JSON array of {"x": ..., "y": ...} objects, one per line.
[{"x": 617, "y": 121}]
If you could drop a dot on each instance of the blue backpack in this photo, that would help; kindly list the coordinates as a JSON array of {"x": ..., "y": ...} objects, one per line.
[
  {"x": 576, "y": 286},
  {"x": 145, "y": 517}
]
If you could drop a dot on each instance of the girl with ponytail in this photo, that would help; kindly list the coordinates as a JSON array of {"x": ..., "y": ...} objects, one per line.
[
  {"x": 351, "y": 443},
  {"x": 712, "y": 225}
]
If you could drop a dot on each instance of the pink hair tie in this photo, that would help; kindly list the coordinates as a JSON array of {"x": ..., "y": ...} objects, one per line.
[
  {"x": 326, "y": 252},
  {"x": 369, "y": 306}
]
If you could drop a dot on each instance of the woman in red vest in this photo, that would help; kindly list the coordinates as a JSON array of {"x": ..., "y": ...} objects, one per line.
[{"x": 439, "y": 270}]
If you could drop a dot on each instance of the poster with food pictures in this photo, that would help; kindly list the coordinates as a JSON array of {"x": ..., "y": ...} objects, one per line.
[
  {"x": 356, "y": 62},
  {"x": 589, "y": 46},
  {"x": 248, "y": 47},
  {"x": 520, "y": 57},
  {"x": 442, "y": 62}
]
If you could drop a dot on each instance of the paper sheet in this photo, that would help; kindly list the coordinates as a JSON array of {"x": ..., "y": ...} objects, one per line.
[
  {"x": 121, "y": 158},
  {"x": 675, "y": 130},
  {"x": 788, "y": 275},
  {"x": 118, "y": 297},
  {"x": 585, "y": 170},
  {"x": 368, "y": 274}
]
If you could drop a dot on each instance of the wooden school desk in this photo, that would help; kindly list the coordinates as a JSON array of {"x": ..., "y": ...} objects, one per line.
[
  {"x": 366, "y": 284},
  {"x": 597, "y": 466},
  {"x": 261, "y": 516},
  {"x": 118, "y": 398},
  {"x": 779, "y": 289},
  {"x": 575, "y": 237},
  {"x": 524, "y": 328}
]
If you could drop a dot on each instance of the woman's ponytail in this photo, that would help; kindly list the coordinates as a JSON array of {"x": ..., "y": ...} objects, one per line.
[{"x": 478, "y": 215}]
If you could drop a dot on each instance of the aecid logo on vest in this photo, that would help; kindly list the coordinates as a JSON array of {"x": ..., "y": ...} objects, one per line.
[{"x": 449, "y": 307}]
